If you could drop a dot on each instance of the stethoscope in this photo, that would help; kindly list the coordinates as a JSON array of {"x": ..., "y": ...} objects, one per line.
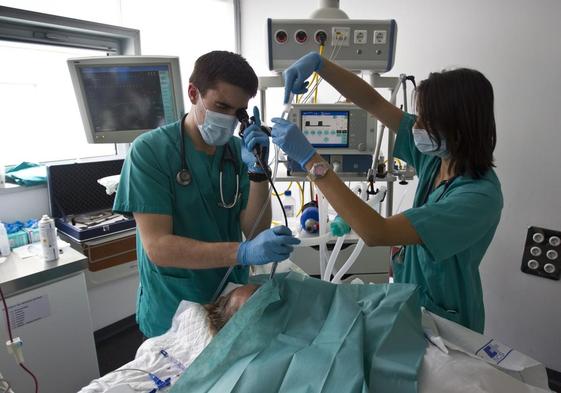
[
  {"x": 424, "y": 200},
  {"x": 430, "y": 189},
  {"x": 184, "y": 177}
]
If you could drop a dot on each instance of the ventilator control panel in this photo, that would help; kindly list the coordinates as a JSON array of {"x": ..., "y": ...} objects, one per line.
[
  {"x": 353, "y": 44},
  {"x": 336, "y": 128},
  {"x": 344, "y": 134}
]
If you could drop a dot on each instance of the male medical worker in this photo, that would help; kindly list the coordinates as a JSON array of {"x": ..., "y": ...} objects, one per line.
[{"x": 193, "y": 189}]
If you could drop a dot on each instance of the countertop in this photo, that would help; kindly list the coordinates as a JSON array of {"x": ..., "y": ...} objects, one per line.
[{"x": 18, "y": 275}]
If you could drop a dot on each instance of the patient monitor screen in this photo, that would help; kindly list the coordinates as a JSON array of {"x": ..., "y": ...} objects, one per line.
[
  {"x": 128, "y": 97},
  {"x": 326, "y": 128}
]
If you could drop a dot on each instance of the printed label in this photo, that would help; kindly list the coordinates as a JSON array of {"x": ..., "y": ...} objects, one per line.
[
  {"x": 29, "y": 311},
  {"x": 289, "y": 210},
  {"x": 494, "y": 351}
]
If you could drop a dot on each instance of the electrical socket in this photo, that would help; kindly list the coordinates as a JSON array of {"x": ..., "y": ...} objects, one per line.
[
  {"x": 542, "y": 253},
  {"x": 360, "y": 37},
  {"x": 340, "y": 36}
]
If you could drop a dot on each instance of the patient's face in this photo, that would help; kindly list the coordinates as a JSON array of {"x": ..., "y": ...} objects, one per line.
[
  {"x": 239, "y": 296},
  {"x": 220, "y": 312}
]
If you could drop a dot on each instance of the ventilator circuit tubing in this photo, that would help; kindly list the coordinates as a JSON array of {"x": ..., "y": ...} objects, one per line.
[
  {"x": 345, "y": 268},
  {"x": 323, "y": 215},
  {"x": 326, "y": 267},
  {"x": 333, "y": 258},
  {"x": 378, "y": 198}
]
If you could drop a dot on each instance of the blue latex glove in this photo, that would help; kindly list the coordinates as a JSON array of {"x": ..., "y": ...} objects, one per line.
[
  {"x": 252, "y": 137},
  {"x": 290, "y": 139},
  {"x": 295, "y": 76},
  {"x": 272, "y": 245}
]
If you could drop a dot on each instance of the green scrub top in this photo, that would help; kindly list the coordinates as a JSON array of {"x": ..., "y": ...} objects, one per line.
[
  {"x": 456, "y": 225},
  {"x": 148, "y": 185}
]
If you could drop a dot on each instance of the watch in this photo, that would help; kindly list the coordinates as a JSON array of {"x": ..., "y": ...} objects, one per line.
[{"x": 318, "y": 170}]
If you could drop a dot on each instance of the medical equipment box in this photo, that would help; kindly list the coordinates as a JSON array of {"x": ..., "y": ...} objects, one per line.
[
  {"x": 18, "y": 239},
  {"x": 79, "y": 204}
]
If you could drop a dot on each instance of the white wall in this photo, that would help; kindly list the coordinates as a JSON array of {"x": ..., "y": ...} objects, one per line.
[{"x": 515, "y": 44}]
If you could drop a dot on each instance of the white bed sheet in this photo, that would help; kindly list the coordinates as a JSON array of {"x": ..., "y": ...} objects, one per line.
[
  {"x": 186, "y": 339},
  {"x": 450, "y": 363}
]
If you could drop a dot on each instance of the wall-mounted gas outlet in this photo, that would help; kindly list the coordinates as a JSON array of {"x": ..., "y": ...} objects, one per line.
[
  {"x": 355, "y": 44},
  {"x": 340, "y": 36},
  {"x": 542, "y": 253}
]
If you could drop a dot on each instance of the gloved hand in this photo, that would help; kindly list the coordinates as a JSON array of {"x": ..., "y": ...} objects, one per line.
[
  {"x": 252, "y": 137},
  {"x": 295, "y": 76},
  {"x": 272, "y": 245},
  {"x": 289, "y": 138}
]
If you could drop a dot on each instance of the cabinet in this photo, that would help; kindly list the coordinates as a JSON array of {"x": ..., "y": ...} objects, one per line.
[{"x": 58, "y": 347}]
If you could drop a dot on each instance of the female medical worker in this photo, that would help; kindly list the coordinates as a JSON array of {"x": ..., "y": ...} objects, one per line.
[
  {"x": 458, "y": 201},
  {"x": 193, "y": 189}
]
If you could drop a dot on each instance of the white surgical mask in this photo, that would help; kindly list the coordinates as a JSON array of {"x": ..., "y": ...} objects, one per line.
[
  {"x": 217, "y": 128},
  {"x": 426, "y": 145}
]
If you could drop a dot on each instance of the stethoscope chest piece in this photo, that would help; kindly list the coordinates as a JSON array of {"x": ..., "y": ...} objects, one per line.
[{"x": 183, "y": 177}]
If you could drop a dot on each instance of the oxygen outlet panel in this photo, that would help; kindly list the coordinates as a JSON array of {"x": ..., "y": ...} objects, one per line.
[
  {"x": 542, "y": 253},
  {"x": 358, "y": 45}
]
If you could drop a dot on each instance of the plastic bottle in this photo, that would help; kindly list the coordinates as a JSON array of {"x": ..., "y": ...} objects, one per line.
[
  {"x": 47, "y": 234},
  {"x": 289, "y": 204},
  {"x": 4, "y": 241}
]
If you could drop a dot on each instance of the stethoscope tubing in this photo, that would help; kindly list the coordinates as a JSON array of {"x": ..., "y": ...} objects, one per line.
[{"x": 184, "y": 177}]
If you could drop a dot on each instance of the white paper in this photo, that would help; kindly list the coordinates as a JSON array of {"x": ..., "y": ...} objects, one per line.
[{"x": 29, "y": 311}]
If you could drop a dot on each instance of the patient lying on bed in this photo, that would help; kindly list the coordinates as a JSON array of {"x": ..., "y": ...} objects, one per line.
[
  {"x": 297, "y": 333},
  {"x": 220, "y": 312}
]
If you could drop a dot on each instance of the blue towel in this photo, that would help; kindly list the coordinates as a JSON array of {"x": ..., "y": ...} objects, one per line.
[{"x": 27, "y": 174}]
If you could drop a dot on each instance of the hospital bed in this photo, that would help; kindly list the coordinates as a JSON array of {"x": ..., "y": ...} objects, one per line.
[{"x": 456, "y": 359}]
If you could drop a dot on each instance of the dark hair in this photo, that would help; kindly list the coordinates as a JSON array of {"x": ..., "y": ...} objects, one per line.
[
  {"x": 223, "y": 66},
  {"x": 457, "y": 106}
]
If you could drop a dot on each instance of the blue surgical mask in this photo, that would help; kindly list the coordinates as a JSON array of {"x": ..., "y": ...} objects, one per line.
[
  {"x": 217, "y": 128},
  {"x": 426, "y": 145}
]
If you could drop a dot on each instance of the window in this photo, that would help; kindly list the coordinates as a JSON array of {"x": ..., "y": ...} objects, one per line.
[{"x": 39, "y": 117}]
